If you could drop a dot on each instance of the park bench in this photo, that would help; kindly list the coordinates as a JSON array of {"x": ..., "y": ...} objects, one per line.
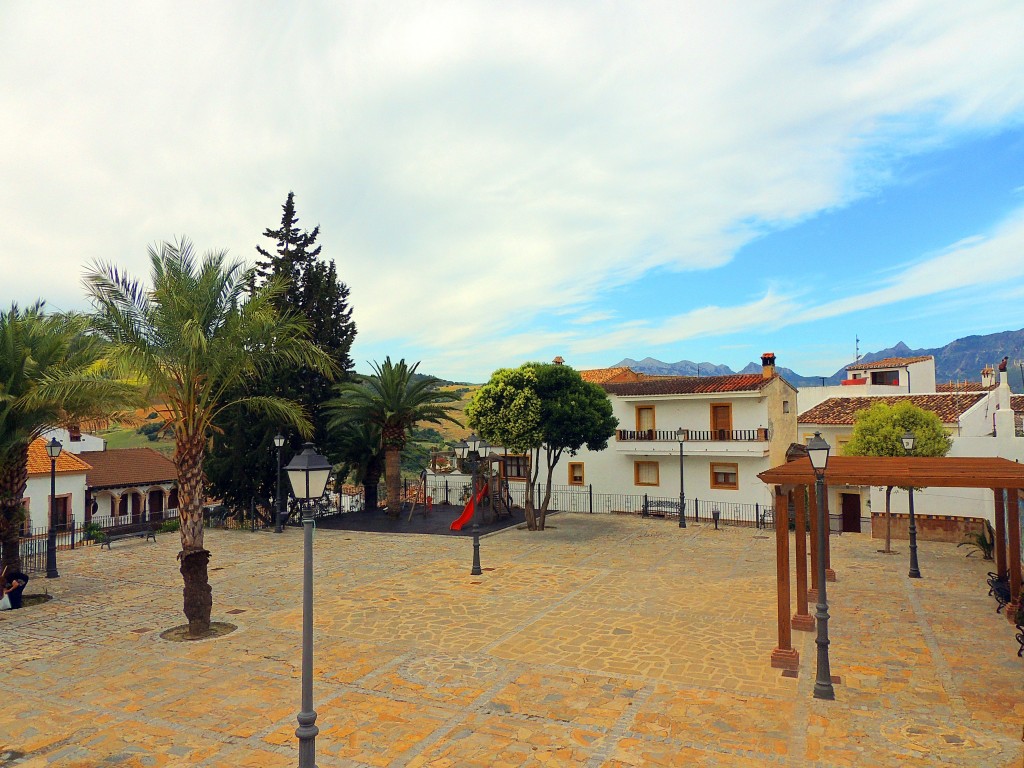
[
  {"x": 1020, "y": 639},
  {"x": 660, "y": 507},
  {"x": 116, "y": 533}
]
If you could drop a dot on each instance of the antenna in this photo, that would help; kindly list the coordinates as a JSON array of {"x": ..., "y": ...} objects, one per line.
[{"x": 856, "y": 349}]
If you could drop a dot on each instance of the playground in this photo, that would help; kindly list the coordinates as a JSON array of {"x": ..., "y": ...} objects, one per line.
[{"x": 606, "y": 640}]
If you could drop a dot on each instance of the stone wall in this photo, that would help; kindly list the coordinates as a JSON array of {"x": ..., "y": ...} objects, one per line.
[{"x": 929, "y": 527}]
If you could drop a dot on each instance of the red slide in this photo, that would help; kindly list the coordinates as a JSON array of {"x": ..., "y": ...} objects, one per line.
[{"x": 467, "y": 513}]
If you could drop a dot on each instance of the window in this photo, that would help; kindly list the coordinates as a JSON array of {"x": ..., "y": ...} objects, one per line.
[
  {"x": 61, "y": 512},
  {"x": 785, "y": 406},
  {"x": 517, "y": 467},
  {"x": 644, "y": 418},
  {"x": 725, "y": 476},
  {"x": 888, "y": 378},
  {"x": 26, "y": 524},
  {"x": 575, "y": 473},
  {"x": 645, "y": 473}
]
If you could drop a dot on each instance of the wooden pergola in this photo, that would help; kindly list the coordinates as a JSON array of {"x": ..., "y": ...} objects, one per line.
[{"x": 795, "y": 481}]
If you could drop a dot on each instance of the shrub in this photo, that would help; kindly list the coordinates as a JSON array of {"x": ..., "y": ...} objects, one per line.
[{"x": 169, "y": 526}]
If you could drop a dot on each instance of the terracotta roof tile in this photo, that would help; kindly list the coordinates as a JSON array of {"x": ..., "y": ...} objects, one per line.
[
  {"x": 689, "y": 385},
  {"x": 889, "y": 362},
  {"x": 1017, "y": 403},
  {"x": 841, "y": 410},
  {"x": 605, "y": 375},
  {"x": 964, "y": 386},
  {"x": 39, "y": 460},
  {"x": 123, "y": 467}
]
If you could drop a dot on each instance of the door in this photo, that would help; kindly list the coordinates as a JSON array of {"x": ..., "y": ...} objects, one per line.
[
  {"x": 851, "y": 512},
  {"x": 721, "y": 421}
]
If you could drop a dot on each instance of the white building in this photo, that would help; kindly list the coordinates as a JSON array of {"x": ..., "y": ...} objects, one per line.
[
  {"x": 70, "y": 481},
  {"x": 978, "y": 417},
  {"x": 733, "y": 428},
  {"x": 74, "y": 440}
]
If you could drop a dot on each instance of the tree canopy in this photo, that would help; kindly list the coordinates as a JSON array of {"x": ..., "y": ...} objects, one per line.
[
  {"x": 242, "y": 463},
  {"x": 878, "y": 431},
  {"x": 542, "y": 408},
  {"x": 50, "y": 375},
  {"x": 196, "y": 337}
]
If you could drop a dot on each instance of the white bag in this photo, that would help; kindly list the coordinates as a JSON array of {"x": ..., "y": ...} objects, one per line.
[{"x": 5, "y": 603}]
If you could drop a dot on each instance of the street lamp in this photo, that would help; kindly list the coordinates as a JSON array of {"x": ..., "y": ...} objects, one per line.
[
  {"x": 308, "y": 474},
  {"x": 468, "y": 451},
  {"x": 279, "y": 444},
  {"x": 908, "y": 440},
  {"x": 53, "y": 448},
  {"x": 680, "y": 435},
  {"x": 817, "y": 450}
]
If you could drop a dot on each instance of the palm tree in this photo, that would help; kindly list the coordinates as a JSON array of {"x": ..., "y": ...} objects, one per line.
[
  {"x": 395, "y": 400},
  {"x": 360, "y": 455},
  {"x": 191, "y": 337},
  {"x": 49, "y": 376}
]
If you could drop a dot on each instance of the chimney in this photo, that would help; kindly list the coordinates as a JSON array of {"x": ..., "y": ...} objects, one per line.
[
  {"x": 558, "y": 360},
  {"x": 768, "y": 365},
  {"x": 988, "y": 376}
]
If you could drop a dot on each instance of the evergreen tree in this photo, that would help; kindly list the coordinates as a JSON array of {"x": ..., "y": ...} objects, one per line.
[{"x": 243, "y": 462}]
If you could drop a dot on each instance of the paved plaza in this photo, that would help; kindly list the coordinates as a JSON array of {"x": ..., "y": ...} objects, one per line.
[{"x": 604, "y": 641}]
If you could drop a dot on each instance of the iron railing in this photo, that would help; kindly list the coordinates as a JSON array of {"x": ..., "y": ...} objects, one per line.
[{"x": 691, "y": 435}]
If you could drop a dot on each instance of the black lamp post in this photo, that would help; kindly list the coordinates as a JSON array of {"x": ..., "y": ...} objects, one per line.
[
  {"x": 53, "y": 448},
  {"x": 279, "y": 444},
  {"x": 680, "y": 435},
  {"x": 469, "y": 452},
  {"x": 308, "y": 474},
  {"x": 818, "y": 450},
  {"x": 908, "y": 440}
]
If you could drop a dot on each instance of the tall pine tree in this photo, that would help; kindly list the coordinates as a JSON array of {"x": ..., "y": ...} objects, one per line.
[{"x": 243, "y": 464}]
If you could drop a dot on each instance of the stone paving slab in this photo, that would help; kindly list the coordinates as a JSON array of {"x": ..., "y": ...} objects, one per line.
[{"x": 604, "y": 641}]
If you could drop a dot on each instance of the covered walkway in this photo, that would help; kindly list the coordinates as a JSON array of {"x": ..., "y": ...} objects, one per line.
[{"x": 794, "y": 482}]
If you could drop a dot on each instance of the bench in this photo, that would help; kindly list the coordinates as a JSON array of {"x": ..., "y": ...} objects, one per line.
[
  {"x": 660, "y": 507},
  {"x": 139, "y": 530},
  {"x": 999, "y": 588},
  {"x": 1020, "y": 639}
]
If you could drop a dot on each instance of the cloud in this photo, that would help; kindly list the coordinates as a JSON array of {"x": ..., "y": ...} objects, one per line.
[{"x": 494, "y": 168}]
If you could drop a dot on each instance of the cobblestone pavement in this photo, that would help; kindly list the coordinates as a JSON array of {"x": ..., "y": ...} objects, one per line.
[{"x": 604, "y": 641}]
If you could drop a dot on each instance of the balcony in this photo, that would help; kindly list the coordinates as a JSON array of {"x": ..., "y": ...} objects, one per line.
[{"x": 732, "y": 442}]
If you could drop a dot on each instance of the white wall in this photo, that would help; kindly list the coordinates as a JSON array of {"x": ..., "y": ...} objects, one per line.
[
  {"x": 86, "y": 443},
  {"x": 38, "y": 493}
]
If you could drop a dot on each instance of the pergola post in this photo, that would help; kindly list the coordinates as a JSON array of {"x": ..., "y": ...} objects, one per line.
[
  {"x": 812, "y": 593},
  {"x": 784, "y": 656},
  {"x": 830, "y": 575},
  {"x": 1000, "y": 543},
  {"x": 802, "y": 620},
  {"x": 1013, "y": 539}
]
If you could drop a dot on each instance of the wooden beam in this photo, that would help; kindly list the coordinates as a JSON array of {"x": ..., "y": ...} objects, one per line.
[
  {"x": 802, "y": 620},
  {"x": 784, "y": 656},
  {"x": 1013, "y": 565},
  {"x": 1000, "y": 545}
]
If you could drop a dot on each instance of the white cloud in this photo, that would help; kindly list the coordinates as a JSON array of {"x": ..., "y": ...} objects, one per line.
[{"x": 496, "y": 166}]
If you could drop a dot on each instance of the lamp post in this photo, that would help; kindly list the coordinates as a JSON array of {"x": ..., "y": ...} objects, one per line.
[
  {"x": 469, "y": 452},
  {"x": 279, "y": 444},
  {"x": 53, "y": 448},
  {"x": 680, "y": 435},
  {"x": 908, "y": 441},
  {"x": 817, "y": 450},
  {"x": 308, "y": 474}
]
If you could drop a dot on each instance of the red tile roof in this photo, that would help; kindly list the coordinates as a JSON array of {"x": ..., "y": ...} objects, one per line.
[
  {"x": 889, "y": 362},
  {"x": 126, "y": 467},
  {"x": 689, "y": 385},
  {"x": 964, "y": 386},
  {"x": 1017, "y": 403},
  {"x": 39, "y": 460},
  {"x": 605, "y": 375},
  {"x": 841, "y": 410}
]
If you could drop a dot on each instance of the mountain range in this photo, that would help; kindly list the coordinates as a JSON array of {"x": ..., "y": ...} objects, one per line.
[{"x": 961, "y": 359}]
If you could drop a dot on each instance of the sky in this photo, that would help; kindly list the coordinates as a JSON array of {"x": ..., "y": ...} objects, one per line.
[{"x": 511, "y": 181}]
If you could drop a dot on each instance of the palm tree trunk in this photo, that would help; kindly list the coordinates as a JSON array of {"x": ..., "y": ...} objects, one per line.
[
  {"x": 197, "y": 594},
  {"x": 392, "y": 471},
  {"x": 13, "y": 480}
]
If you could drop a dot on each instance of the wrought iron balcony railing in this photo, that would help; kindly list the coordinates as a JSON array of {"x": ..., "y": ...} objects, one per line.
[{"x": 692, "y": 435}]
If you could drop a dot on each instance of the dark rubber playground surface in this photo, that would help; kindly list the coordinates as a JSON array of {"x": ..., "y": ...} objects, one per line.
[{"x": 436, "y": 522}]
